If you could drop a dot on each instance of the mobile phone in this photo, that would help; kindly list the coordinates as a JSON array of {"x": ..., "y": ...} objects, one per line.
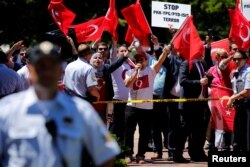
[{"x": 210, "y": 32}]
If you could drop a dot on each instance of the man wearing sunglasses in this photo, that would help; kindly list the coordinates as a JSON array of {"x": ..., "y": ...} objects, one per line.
[
  {"x": 103, "y": 48},
  {"x": 240, "y": 101}
]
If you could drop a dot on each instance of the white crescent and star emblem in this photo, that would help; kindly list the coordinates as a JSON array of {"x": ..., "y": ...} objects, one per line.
[
  {"x": 185, "y": 34},
  {"x": 223, "y": 104},
  {"x": 138, "y": 83},
  {"x": 56, "y": 16},
  {"x": 244, "y": 39},
  {"x": 95, "y": 29}
]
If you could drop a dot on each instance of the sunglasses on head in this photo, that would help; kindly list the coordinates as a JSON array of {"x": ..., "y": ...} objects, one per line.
[
  {"x": 237, "y": 59},
  {"x": 103, "y": 49}
]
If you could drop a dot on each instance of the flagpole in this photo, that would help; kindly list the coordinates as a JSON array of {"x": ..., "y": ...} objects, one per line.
[{"x": 179, "y": 30}]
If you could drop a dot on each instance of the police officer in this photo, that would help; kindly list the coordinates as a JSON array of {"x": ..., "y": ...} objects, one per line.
[
  {"x": 240, "y": 101},
  {"x": 42, "y": 127}
]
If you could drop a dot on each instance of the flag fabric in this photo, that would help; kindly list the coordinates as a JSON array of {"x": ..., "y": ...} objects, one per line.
[
  {"x": 138, "y": 24},
  {"x": 90, "y": 30},
  {"x": 222, "y": 118},
  {"x": 240, "y": 29},
  {"x": 111, "y": 20},
  {"x": 61, "y": 15},
  {"x": 129, "y": 35},
  {"x": 187, "y": 41},
  {"x": 141, "y": 83}
]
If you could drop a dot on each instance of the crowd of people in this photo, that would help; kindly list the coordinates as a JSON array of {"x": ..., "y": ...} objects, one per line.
[{"x": 52, "y": 109}]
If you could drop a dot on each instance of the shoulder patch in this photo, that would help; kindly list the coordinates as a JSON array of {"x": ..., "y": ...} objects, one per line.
[{"x": 248, "y": 77}]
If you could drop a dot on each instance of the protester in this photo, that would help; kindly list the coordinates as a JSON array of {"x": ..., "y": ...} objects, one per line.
[
  {"x": 140, "y": 84},
  {"x": 10, "y": 81},
  {"x": 159, "y": 116},
  {"x": 172, "y": 90},
  {"x": 195, "y": 85},
  {"x": 103, "y": 48},
  {"x": 24, "y": 71},
  {"x": 13, "y": 56},
  {"x": 117, "y": 125},
  {"x": 221, "y": 81},
  {"x": 103, "y": 76},
  {"x": 44, "y": 127}
]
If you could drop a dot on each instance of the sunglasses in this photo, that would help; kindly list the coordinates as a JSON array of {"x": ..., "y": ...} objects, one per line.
[
  {"x": 235, "y": 49},
  {"x": 237, "y": 59},
  {"x": 21, "y": 54},
  {"x": 103, "y": 49}
]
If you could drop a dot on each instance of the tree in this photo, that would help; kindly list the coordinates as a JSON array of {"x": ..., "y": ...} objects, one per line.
[{"x": 29, "y": 19}]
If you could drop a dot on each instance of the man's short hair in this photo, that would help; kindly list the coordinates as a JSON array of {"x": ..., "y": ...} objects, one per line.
[
  {"x": 83, "y": 50},
  {"x": 102, "y": 44},
  {"x": 44, "y": 49}
]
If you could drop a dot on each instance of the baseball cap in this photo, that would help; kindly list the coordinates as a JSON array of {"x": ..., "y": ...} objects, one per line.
[
  {"x": 140, "y": 55},
  {"x": 44, "y": 49}
]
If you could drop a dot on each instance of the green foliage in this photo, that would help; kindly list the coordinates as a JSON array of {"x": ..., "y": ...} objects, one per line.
[
  {"x": 29, "y": 19},
  {"x": 120, "y": 161}
]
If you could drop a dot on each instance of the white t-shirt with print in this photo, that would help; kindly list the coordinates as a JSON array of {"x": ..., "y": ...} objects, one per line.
[{"x": 142, "y": 88}]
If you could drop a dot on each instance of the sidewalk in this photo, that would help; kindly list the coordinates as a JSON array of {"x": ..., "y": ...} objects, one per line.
[{"x": 163, "y": 162}]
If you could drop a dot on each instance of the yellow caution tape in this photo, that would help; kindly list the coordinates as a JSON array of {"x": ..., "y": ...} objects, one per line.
[{"x": 160, "y": 100}]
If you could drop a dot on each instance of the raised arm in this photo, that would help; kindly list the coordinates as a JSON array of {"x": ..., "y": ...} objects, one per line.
[{"x": 162, "y": 58}]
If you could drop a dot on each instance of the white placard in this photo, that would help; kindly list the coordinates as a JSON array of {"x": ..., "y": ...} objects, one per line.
[
  {"x": 164, "y": 14},
  {"x": 245, "y": 8}
]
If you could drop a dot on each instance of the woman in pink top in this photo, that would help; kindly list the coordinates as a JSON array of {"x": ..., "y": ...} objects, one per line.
[{"x": 221, "y": 121}]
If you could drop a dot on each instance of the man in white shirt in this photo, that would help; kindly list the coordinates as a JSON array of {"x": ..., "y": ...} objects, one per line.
[
  {"x": 79, "y": 78},
  {"x": 44, "y": 127},
  {"x": 140, "y": 80}
]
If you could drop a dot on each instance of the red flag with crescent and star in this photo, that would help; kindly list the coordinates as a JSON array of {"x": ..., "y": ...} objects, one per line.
[
  {"x": 61, "y": 15},
  {"x": 222, "y": 117},
  {"x": 138, "y": 24},
  {"x": 90, "y": 30},
  {"x": 187, "y": 40},
  {"x": 141, "y": 83},
  {"x": 240, "y": 29},
  {"x": 111, "y": 20}
]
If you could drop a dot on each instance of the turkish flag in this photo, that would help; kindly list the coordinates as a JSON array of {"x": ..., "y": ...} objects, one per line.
[
  {"x": 141, "y": 82},
  {"x": 187, "y": 41},
  {"x": 222, "y": 118},
  {"x": 240, "y": 29},
  {"x": 111, "y": 20},
  {"x": 138, "y": 23},
  {"x": 61, "y": 15},
  {"x": 129, "y": 35},
  {"x": 221, "y": 44},
  {"x": 89, "y": 31}
]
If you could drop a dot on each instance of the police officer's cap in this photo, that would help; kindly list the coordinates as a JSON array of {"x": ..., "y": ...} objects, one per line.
[{"x": 44, "y": 49}]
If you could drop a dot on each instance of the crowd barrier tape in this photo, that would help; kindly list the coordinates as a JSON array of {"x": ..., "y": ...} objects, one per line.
[{"x": 160, "y": 100}]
